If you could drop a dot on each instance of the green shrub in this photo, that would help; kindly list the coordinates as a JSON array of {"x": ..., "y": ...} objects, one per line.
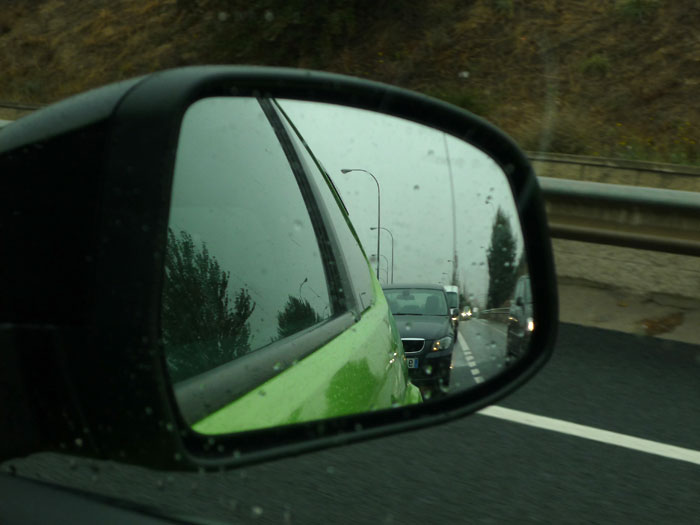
[
  {"x": 597, "y": 65},
  {"x": 640, "y": 10}
]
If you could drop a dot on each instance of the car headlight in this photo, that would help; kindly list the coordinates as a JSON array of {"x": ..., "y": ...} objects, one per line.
[{"x": 442, "y": 344}]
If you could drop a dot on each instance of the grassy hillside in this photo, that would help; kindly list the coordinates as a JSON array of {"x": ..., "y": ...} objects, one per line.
[{"x": 600, "y": 77}]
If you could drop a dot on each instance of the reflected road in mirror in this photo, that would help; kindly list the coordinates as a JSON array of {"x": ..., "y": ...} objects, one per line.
[{"x": 324, "y": 260}]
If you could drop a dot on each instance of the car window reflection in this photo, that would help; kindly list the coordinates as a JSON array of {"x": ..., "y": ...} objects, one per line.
[{"x": 243, "y": 265}]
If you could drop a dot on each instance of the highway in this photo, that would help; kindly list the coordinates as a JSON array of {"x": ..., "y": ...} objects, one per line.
[
  {"x": 479, "y": 469},
  {"x": 479, "y": 352}
]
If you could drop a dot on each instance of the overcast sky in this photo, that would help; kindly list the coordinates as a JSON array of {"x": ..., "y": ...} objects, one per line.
[{"x": 410, "y": 161}]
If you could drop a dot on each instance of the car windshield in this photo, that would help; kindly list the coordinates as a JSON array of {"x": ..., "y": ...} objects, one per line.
[{"x": 416, "y": 301}]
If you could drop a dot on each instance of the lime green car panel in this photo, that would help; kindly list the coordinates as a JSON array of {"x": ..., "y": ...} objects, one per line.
[{"x": 362, "y": 369}]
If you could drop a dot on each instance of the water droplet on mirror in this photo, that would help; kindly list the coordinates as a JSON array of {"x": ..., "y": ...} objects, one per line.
[
  {"x": 416, "y": 187},
  {"x": 256, "y": 511},
  {"x": 79, "y": 442},
  {"x": 330, "y": 470},
  {"x": 408, "y": 327},
  {"x": 262, "y": 393},
  {"x": 277, "y": 366},
  {"x": 298, "y": 226},
  {"x": 148, "y": 411}
]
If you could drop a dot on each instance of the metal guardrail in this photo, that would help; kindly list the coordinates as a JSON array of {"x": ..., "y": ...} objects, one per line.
[{"x": 621, "y": 215}]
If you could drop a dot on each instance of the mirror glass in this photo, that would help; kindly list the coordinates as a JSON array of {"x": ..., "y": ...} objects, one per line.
[{"x": 324, "y": 260}]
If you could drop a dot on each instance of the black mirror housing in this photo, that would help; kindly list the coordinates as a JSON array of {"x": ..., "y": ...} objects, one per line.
[{"x": 86, "y": 186}]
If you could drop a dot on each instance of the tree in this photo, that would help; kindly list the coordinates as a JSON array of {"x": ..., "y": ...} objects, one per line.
[
  {"x": 501, "y": 258},
  {"x": 201, "y": 328},
  {"x": 297, "y": 315}
]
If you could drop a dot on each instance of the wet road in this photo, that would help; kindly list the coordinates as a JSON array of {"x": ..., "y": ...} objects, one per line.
[
  {"x": 478, "y": 469},
  {"x": 479, "y": 353}
]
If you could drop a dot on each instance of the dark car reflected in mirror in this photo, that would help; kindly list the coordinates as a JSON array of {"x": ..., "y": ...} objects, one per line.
[{"x": 275, "y": 318}]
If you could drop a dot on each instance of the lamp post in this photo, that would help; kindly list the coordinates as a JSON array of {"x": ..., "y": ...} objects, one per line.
[
  {"x": 387, "y": 264},
  {"x": 379, "y": 207},
  {"x": 392, "y": 249}
]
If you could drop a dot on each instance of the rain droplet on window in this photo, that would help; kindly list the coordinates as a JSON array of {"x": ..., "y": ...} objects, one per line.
[
  {"x": 256, "y": 511},
  {"x": 416, "y": 187}
]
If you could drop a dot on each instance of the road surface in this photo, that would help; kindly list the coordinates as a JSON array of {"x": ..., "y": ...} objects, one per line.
[{"x": 479, "y": 469}]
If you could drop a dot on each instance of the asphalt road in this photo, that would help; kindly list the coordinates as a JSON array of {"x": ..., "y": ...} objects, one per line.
[
  {"x": 478, "y": 469},
  {"x": 479, "y": 352}
]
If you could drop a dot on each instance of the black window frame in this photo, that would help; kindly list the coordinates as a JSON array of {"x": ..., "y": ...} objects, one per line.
[{"x": 355, "y": 303}]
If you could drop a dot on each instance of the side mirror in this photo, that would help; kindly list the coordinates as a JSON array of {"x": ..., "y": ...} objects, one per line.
[{"x": 203, "y": 282}]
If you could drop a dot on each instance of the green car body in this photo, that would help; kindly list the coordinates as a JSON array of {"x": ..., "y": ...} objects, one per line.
[{"x": 362, "y": 369}]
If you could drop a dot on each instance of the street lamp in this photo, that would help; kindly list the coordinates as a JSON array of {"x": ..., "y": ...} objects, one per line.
[
  {"x": 392, "y": 249},
  {"x": 379, "y": 207},
  {"x": 387, "y": 264}
]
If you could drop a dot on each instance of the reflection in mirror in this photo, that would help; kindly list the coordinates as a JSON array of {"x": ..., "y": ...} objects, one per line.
[
  {"x": 272, "y": 314},
  {"x": 448, "y": 218}
]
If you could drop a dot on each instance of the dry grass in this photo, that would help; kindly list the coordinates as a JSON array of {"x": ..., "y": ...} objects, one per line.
[{"x": 586, "y": 76}]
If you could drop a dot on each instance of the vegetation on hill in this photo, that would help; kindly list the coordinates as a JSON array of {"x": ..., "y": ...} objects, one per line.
[{"x": 598, "y": 77}]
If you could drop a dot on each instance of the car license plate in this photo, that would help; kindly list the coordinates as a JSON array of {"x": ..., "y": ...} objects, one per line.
[{"x": 412, "y": 362}]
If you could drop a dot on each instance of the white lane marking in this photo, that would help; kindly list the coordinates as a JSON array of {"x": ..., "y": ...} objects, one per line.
[
  {"x": 471, "y": 360},
  {"x": 595, "y": 434}
]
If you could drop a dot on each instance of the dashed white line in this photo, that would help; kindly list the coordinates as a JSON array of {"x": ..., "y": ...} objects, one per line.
[
  {"x": 594, "y": 434},
  {"x": 471, "y": 360}
]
